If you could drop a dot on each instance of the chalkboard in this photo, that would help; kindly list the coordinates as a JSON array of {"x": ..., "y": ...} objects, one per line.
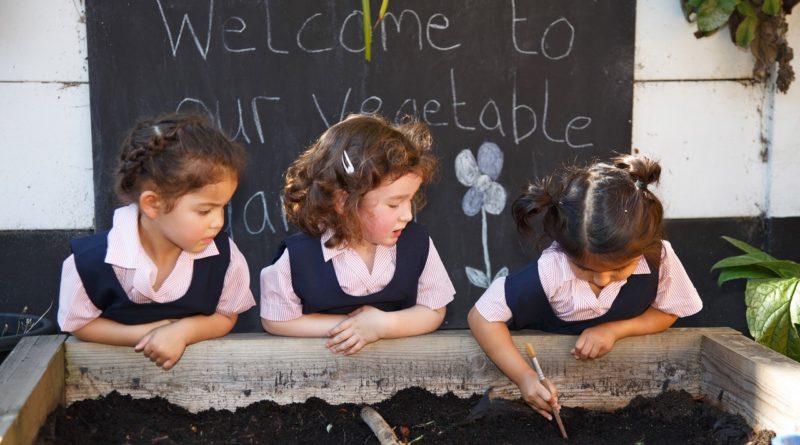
[{"x": 522, "y": 86}]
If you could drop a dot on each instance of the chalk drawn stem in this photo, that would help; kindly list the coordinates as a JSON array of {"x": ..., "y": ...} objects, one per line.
[{"x": 485, "y": 239}]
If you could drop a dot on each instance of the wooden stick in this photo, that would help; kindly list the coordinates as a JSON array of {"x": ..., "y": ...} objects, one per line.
[
  {"x": 382, "y": 430},
  {"x": 535, "y": 363}
]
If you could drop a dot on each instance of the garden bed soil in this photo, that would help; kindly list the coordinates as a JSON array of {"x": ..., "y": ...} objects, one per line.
[{"x": 673, "y": 417}]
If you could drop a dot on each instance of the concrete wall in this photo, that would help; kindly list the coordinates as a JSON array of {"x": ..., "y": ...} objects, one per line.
[{"x": 729, "y": 148}]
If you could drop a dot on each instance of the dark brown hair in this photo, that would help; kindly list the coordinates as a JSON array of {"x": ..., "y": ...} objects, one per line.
[
  {"x": 174, "y": 154},
  {"x": 377, "y": 149},
  {"x": 603, "y": 209}
]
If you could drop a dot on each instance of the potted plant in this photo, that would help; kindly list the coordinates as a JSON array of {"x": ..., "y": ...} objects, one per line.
[{"x": 772, "y": 296}]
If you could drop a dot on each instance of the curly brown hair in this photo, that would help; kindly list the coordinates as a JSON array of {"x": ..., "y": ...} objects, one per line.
[
  {"x": 603, "y": 209},
  {"x": 175, "y": 154},
  {"x": 378, "y": 150}
]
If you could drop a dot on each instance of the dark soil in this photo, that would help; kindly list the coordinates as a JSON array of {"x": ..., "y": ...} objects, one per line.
[{"x": 415, "y": 414}]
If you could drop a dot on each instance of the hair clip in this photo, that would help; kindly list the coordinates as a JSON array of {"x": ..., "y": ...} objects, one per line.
[
  {"x": 348, "y": 166},
  {"x": 157, "y": 131},
  {"x": 641, "y": 185}
]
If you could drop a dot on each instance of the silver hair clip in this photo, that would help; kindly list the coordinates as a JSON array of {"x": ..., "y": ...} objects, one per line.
[
  {"x": 348, "y": 166},
  {"x": 157, "y": 131}
]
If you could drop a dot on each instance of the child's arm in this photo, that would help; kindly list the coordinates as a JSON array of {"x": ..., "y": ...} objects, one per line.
[
  {"x": 368, "y": 324},
  {"x": 165, "y": 345},
  {"x": 307, "y": 325},
  {"x": 495, "y": 339},
  {"x": 109, "y": 332},
  {"x": 598, "y": 340}
]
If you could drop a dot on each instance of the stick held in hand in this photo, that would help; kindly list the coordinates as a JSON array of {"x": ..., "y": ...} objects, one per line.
[{"x": 535, "y": 364}]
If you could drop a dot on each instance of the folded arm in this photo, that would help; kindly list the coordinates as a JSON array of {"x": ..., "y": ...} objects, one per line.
[{"x": 598, "y": 341}]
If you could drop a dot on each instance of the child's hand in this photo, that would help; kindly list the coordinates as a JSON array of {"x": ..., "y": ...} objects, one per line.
[
  {"x": 163, "y": 345},
  {"x": 362, "y": 327},
  {"x": 594, "y": 342},
  {"x": 542, "y": 395}
]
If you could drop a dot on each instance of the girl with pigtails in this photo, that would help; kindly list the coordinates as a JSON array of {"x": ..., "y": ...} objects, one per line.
[
  {"x": 608, "y": 274},
  {"x": 166, "y": 275}
]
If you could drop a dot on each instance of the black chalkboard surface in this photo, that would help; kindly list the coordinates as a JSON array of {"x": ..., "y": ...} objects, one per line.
[{"x": 535, "y": 83}]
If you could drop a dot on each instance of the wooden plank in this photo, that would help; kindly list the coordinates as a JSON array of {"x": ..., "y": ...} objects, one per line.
[
  {"x": 749, "y": 379},
  {"x": 31, "y": 385},
  {"x": 240, "y": 369}
]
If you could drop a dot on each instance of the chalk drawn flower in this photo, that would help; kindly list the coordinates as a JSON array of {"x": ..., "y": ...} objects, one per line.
[{"x": 484, "y": 195}]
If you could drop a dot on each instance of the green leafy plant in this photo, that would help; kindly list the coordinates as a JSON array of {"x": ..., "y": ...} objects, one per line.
[
  {"x": 756, "y": 24},
  {"x": 772, "y": 296}
]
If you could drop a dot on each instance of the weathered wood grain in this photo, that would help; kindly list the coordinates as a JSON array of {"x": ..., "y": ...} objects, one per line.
[
  {"x": 748, "y": 379},
  {"x": 240, "y": 369},
  {"x": 31, "y": 385}
]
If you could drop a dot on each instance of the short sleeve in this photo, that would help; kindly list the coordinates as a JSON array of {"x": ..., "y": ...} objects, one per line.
[
  {"x": 236, "y": 294},
  {"x": 434, "y": 290},
  {"x": 279, "y": 302},
  {"x": 676, "y": 294},
  {"x": 75, "y": 309},
  {"x": 492, "y": 304}
]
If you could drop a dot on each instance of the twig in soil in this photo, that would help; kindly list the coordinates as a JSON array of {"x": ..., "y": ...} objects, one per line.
[{"x": 379, "y": 426}]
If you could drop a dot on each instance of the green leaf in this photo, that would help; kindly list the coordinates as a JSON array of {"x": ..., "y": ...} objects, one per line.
[
  {"x": 747, "y": 248},
  {"x": 739, "y": 260},
  {"x": 713, "y": 14},
  {"x": 746, "y": 9},
  {"x": 768, "y": 314},
  {"x": 783, "y": 268},
  {"x": 771, "y": 7},
  {"x": 367, "y": 21},
  {"x": 746, "y": 31},
  {"x": 748, "y": 272},
  {"x": 689, "y": 7}
]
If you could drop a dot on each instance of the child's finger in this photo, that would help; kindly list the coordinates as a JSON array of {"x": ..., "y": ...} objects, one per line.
[
  {"x": 545, "y": 414},
  {"x": 355, "y": 348},
  {"x": 339, "y": 328},
  {"x": 139, "y": 346},
  {"x": 337, "y": 339}
]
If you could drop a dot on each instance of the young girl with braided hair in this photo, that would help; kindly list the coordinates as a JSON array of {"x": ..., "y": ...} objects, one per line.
[
  {"x": 608, "y": 274},
  {"x": 165, "y": 275},
  {"x": 360, "y": 269}
]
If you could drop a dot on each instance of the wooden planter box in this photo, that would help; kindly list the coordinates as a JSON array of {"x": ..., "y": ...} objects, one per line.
[{"x": 234, "y": 371}]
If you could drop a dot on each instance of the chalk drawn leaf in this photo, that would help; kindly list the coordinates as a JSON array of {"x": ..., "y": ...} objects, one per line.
[
  {"x": 466, "y": 168},
  {"x": 490, "y": 159},
  {"x": 476, "y": 277},
  {"x": 494, "y": 198},
  {"x": 501, "y": 273},
  {"x": 472, "y": 203}
]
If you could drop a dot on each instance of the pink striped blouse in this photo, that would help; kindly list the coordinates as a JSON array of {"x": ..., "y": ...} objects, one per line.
[
  {"x": 137, "y": 273},
  {"x": 572, "y": 299},
  {"x": 280, "y": 303}
]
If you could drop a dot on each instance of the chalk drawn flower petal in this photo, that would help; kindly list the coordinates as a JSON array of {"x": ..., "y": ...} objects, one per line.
[
  {"x": 494, "y": 198},
  {"x": 501, "y": 273},
  {"x": 466, "y": 168},
  {"x": 472, "y": 203},
  {"x": 490, "y": 159},
  {"x": 476, "y": 277}
]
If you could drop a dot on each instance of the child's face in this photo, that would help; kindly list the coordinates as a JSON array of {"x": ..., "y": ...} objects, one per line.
[
  {"x": 384, "y": 211},
  {"x": 600, "y": 271},
  {"x": 198, "y": 216}
]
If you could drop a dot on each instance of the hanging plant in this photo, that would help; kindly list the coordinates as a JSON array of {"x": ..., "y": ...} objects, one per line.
[{"x": 756, "y": 24}]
